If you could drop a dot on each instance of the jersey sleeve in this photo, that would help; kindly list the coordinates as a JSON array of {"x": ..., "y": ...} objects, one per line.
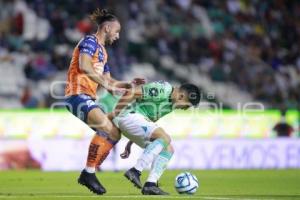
[
  {"x": 88, "y": 45},
  {"x": 157, "y": 91}
]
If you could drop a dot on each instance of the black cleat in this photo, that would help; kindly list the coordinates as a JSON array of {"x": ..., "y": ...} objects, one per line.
[
  {"x": 134, "y": 176},
  {"x": 152, "y": 189},
  {"x": 91, "y": 182}
]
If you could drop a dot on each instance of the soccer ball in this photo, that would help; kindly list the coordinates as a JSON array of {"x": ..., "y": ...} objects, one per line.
[{"x": 186, "y": 183}]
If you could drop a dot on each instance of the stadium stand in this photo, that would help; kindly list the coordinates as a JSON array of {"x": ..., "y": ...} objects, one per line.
[{"x": 239, "y": 50}]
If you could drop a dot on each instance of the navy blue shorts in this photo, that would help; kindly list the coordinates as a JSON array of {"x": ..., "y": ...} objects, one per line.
[{"x": 80, "y": 105}]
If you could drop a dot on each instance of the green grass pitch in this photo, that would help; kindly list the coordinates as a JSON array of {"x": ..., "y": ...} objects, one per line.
[{"x": 214, "y": 184}]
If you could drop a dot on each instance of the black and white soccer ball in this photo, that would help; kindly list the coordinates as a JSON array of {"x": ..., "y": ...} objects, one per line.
[{"x": 186, "y": 183}]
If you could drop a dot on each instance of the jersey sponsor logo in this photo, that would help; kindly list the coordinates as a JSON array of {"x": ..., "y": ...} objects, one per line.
[{"x": 153, "y": 92}]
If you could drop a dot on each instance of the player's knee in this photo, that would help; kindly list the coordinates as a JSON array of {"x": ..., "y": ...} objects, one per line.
[
  {"x": 105, "y": 125},
  {"x": 106, "y": 129},
  {"x": 112, "y": 132},
  {"x": 115, "y": 134},
  {"x": 167, "y": 139},
  {"x": 99, "y": 121},
  {"x": 161, "y": 134}
]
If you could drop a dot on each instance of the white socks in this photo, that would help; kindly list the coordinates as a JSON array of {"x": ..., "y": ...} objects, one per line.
[
  {"x": 150, "y": 152},
  {"x": 90, "y": 170},
  {"x": 159, "y": 166}
]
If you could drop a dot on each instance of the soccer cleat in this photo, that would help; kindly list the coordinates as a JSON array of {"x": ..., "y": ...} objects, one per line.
[
  {"x": 152, "y": 189},
  {"x": 91, "y": 182},
  {"x": 134, "y": 176}
]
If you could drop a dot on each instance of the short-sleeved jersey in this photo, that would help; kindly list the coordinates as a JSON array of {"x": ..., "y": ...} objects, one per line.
[
  {"x": 77, "y": 81},
  {"x": 155, "y": 101}
]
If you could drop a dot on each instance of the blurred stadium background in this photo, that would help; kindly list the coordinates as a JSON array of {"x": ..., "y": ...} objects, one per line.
[{"x": 243, "y": 54}]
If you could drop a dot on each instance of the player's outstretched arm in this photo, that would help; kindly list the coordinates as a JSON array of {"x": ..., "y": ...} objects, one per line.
[
  {"x": 85, "y": 64},
  {"x": 126, "y": 84},
  {"x": 126, "y": 99}
]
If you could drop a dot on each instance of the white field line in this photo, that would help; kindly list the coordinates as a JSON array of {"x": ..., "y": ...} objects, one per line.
[{"x": 38, "y": 196}]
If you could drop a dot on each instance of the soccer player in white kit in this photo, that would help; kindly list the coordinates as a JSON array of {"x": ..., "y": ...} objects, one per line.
[{"x": 137, "y": 123}]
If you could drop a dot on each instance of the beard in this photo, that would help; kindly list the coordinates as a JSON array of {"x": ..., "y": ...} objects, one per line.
[{"x": 109, "y": 40}]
